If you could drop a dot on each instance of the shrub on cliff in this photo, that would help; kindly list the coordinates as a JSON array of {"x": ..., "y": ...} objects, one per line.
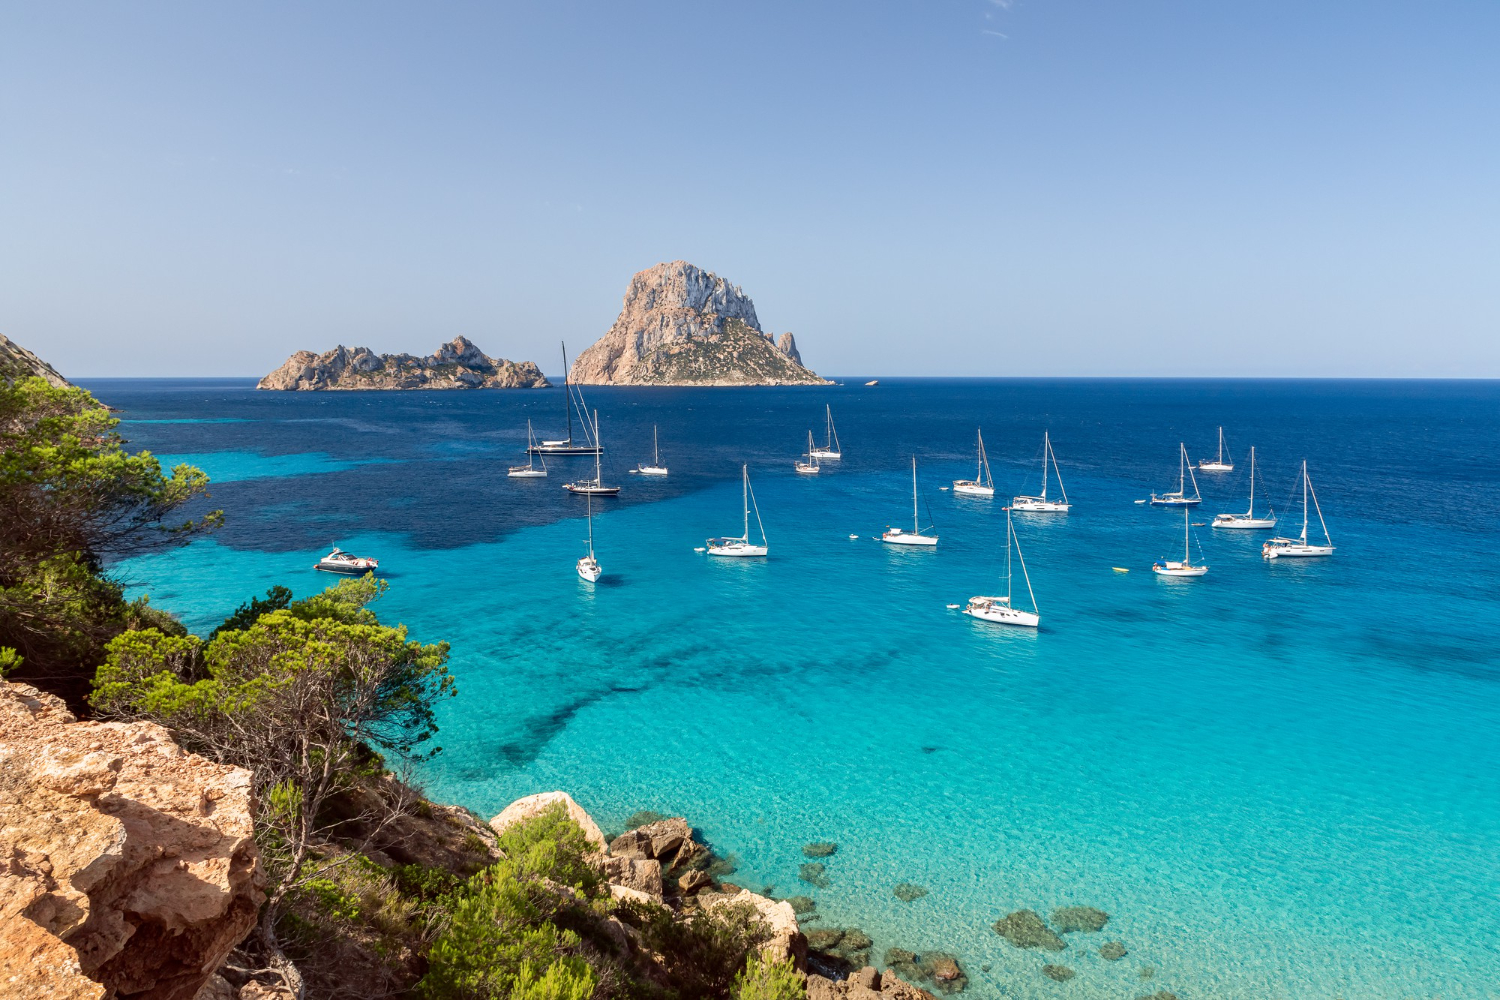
[
  {"x": 762, "y": 979},
  {"x": 70, "y": 497}
]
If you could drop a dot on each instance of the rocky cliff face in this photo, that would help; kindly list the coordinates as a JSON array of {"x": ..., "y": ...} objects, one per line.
[
  {"x": 458, "y": 364},
  {"x": 127, "y": 866},
  {"x": 684, "y": 326},
  {"x": 17, "y": 359}
]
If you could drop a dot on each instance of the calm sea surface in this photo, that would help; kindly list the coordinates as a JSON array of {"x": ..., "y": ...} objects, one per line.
[{"x": 1281, "y": 780}]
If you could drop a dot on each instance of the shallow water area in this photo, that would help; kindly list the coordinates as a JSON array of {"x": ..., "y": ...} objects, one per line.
[{"x": 1275, "y": 784}]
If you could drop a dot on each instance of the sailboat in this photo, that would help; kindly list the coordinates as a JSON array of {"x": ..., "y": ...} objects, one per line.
[
  {"x": 588, "y": 566},
  {"x": 809, "y": 467},
  {"x": 896, "y": 536},
  {"x": 529, "y": 470},
  {"x": 1247, "y": 519},
  {"x": 741, "y": 546},
  {"x": 1041, "y": 503},
  {"x": 1299, "y": 546},
  {"x": 999, "y": 609},
  {"x": 1166, "y": 567},
  {"x": 831, "y": 449},
  {"x": 1218, "y": 464},
  {"x": 655, "y": 468},
  {"x": 981, "y": 485},
  {"x": 1179, "y": 497},
  {"x": 593, "y": 487},
  {"x": 567, "y": 446}
]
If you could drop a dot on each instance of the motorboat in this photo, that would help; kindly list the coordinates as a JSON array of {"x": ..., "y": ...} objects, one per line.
[{"x": 339, "y": 561}]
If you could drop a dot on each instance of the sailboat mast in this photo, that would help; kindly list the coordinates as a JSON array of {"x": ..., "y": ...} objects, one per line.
[
  {"x": 655, "y": 447},
  {"x": 1182, "y": 470},
  {"x": 1185, "y": 520},
  {"x": 1046, "y": 446},
  {"x": 597, "y": 479},
  {"x": 1010, "y": 535},
  {"x": 745, "y": 490},
  {"x": 1304, "y": 502},
  {"x": 828, "y": 437},
  {"x": 1251, "y": 511},
  {"x": 567, "y": 392},
  {"x": 916, "y": 526},
  {"x": 591, "y": 524}
]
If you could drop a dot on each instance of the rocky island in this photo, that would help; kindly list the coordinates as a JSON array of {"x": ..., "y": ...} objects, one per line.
[
  {"x": 681, "y": 325},
  {"x": 458, "y": 364},
  {"x": 17, "y": 359}
]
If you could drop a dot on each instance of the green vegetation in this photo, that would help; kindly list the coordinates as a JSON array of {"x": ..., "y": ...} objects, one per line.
[
  {"x": 765, "y": 980},
  {"x": 71, "y": 497}
]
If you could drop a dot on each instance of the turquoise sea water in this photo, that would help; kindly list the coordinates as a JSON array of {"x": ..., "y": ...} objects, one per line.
[{"x": 1280, "y": 780}]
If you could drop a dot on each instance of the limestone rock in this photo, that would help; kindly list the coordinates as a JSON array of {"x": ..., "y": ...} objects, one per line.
[
  {"x": 17, "y": 360},
  {"x": 865, "y": 984},
  {"x": 534, "y": 805},
  {"x": 640, "y": 875},
  {"x": 457, "y": 364},
  {"x": 680, "y": 325},
  {"x": 127, "y": 866},
  {"x": 787, "y": 939}
]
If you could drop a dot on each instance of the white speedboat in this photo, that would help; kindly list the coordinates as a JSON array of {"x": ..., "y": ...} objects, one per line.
[
  {"x": 1185, "y": 567},
  {"x": 1042, "y": 503},
  {"x": 1247, "y": 519},
  {"x": 896, "y": 536},
  {"x": 529, "y": 470},
  {"x": 588, "y": 567},
  {"x": 567, "y": 446},
  {"x": 831, "y": 450},
  {"x": 742, "y": 547},
  {"x": 982, "y": 485},
  {"x": 655, "y": 468},
  {"x": 1278, "y": 548},
  {"x": 873, "y": 381},
  {"x": 593, "y": 487},
  {"x": 339, "y": 561},
  {"x": 809, "y": 467},
  {"x": 1217, "y": 464},
  {"x": 1179, "y": 497},
  {"x": 1000, "y": 610}
]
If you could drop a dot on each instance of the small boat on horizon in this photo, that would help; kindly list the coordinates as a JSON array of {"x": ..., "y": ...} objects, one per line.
[
  {"x": 1277, "y": 548},
  {"x": 982, "y": 485},
  {"x": 1179, "y": 497},
  {"x": 896, "y": 536},
  {"x": 655, "y": 468},
  {"x": 529, "y": 470},
  {"x": 1186, "y": 567},
  {"x": 1000, "y": 610},
  {"x": 831, "y": 449},
  {"x": 741, "y": 547},
  {"x": 339, "y": 561},
  {"x": 1247, "y": 519},
  {"x": 1041, "y": 503},
  {"x": 1218, "y": 464},
  {"x": 873, "y": 381}
]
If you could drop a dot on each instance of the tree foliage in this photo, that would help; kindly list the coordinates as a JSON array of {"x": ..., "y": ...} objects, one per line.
[
  {"x": 71, "y": 496},
  {"x": 764, "y": 979}
]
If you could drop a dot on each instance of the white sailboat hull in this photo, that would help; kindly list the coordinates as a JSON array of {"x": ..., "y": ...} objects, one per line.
[
  {"x": 999, "y": 611},
  {"x": 1215, "y": 467},
  {"x": 525, "y": 473},
  {"x": 1278, "y": 548},
  {"x": 650, "y": 470},
  {"x": 830, "y": 455},
  {"x": 1168, "y": 568},
  {"x": 1040, "y": 504},
  {"x": 804, "y": 469},
  {"x": 896, "y": 536},
  {"x": 589, "y": 569},
  {"x": 1243, "y": 521},
  {"x": 592, "y": 489},
  {"x": 970, "y": 488},
  {"x": 734, "y": 548},
  {"x": 1174, "y": 500}
]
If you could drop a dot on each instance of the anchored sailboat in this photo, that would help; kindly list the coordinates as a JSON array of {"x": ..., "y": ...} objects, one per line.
[
  {"x": 982, "y": 485},
  {"x": 809, "y": 467},
  {"x": 529, "y": 470},
  {"x": 1166, "y": 567},
  {"x": 588, "y": 566},
  {"x": 896, "y": 536},
  {"x": 1218, "y": 464},
  {"x": 1247, "y": 519},
  {"x": 655, "y": 468},
  {"x": 566, "y": 446},
  {"x": 1275, "y": 548},
  {"x": 593, "y": 487},
  {"x": 831, "y": 449},
  {"x": 741, "y": 546},
  {"x": 999, "y": 609},
  {"x": 1041, "y": 503},
  {"x": 1179, "y": 497}
]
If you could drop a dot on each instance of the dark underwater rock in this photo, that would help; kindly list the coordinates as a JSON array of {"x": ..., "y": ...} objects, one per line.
[
  {"x": 1061, "y": 973},
  {"x": 802, "y": 904},
  {"x": 814, "y": 873},
  {"x": 1068, "y": 919},
  {"x": 1112, "y": 951},
  {"x": 1026, "y": 929},
  {"x": 821, "y": 849},
  {"x": 908, "y": 891}
]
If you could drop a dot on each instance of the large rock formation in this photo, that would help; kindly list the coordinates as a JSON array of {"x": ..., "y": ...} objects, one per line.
[
  {"x": 127, "y": 866},
  {"x": 458, "y": 364},
  {"x": 17, "y": 360},
  {"x": 684, "y": 326}
]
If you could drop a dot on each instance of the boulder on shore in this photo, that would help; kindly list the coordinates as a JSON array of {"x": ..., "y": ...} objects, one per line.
[
  {"x": 535, "y": 805},
  {"x": 127, "y": 865}
]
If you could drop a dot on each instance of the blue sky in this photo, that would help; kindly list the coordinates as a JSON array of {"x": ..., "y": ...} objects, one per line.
[{"x": 1038, "y": 187}]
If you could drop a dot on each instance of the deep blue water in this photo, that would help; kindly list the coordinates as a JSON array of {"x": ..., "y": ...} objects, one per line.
[{"x": 1281, "y": 779}]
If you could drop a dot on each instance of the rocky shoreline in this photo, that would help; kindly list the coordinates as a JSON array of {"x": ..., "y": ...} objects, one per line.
[{"x": 457, "y": 364}]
